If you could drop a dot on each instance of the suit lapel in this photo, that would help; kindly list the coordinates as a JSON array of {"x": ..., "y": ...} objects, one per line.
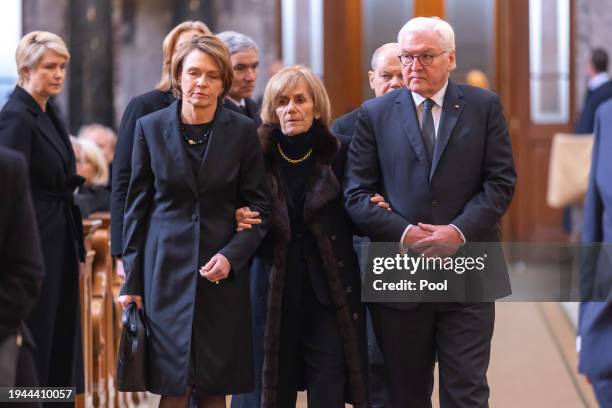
[
  {"x": 42, "y": 125},
  {"x": 451, "y": 111},
  {"x": 176, "y": 147},
  {"x": 405, "y": 112}
]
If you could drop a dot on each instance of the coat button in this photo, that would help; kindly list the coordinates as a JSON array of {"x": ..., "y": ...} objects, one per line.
[
  {"x": 355, "y": 316},
  {"x": 194, "y": 217},
  {"x": 349, "y": 289},
  {"x": 333, "y": 237},
  {"x": 434, "y": 203},
  {"x": 340, "y": 264}
]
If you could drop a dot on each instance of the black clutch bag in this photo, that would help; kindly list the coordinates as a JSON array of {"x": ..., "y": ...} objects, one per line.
[{"x": 132, "y": 358}]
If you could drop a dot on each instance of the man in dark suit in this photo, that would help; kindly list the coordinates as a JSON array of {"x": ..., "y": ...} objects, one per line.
[
  {"x": 599, "y": 90},
  {"x": 245, "y": 61},
  {"x": 21, "y": 271},
  {"x": 595, "y": 326},
  {"x": 385, "y": 76},
  {"x": 440, "y": 154}
]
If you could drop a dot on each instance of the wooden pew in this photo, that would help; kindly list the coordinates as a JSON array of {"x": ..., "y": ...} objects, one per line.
[
  {"x": 107, "y": 321},
  {"x": 102, "y": 316},
  {"x": 86, "y": 398}
]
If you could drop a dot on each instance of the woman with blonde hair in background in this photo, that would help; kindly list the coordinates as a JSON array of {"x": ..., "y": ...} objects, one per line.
[
  {"x": 138, "y": 107},
  {"x": 30, "y": 124},
  {"x": 92, "y": 196}
]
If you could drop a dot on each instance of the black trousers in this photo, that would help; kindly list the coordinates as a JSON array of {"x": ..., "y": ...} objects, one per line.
[
  {"x": 311, "y": 353},
  {"x": 460, "y": 334}
]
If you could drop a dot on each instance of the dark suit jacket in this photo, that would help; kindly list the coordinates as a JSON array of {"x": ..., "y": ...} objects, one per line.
[
  {"x": 345, "y": 124},
  {"x": 594, "y": 99},
  {"x": 122, "y": 163},
  {"x": 595, "y": 326},
  {"x": 470, "y": 184},
  {"x": 175, "y": 222},
  {"x": 252, "y": 109},
  {"x": 22, "y": 270}
]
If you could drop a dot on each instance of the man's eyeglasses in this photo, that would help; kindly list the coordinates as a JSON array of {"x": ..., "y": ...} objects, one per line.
[{"x": 425, "y": 59}]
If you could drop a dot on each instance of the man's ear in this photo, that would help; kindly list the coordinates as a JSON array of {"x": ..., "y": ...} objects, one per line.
[
  {"x": 371, "y": 75},
  {"x": 452, "y": 56}
]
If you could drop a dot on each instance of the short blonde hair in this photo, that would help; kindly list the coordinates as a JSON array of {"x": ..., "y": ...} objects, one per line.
[
  {"x": 91, "y": 153},
  {"x": 289, "y": 78},
  {"x": 169, "y": 49},
  {"x": 31, "y": 49},
  {"x": 211, "y": 46}
]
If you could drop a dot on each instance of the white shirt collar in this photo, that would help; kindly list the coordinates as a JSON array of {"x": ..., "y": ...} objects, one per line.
[
  {"x": 240, "y": 103},
  {"x": 598, "y": 80},
  {"x": 438, "y": 97}
]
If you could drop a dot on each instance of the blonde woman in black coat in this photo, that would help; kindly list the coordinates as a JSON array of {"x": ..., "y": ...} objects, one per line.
[{"x": 30, "y": 124}]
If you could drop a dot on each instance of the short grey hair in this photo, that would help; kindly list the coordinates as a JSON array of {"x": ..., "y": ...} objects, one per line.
[
  {"x": 380, "y": 51},
  {"x": 435, "y": 24},
  {"x": 236, "y": 42}
]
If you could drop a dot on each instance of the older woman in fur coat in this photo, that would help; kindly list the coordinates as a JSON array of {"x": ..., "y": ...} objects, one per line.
[{"x": 305, "y": 276}]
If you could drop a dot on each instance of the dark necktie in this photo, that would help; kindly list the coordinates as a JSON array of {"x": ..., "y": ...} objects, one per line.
[{"x": 428, "y": 128}]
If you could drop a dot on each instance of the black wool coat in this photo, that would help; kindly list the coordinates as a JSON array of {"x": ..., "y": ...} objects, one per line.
[
  {"x": 22, "y": 272},
  {"x": 55, "y": 321},
  {"x": 175, "y": 221},
  {"x": 331, "y": 227}
]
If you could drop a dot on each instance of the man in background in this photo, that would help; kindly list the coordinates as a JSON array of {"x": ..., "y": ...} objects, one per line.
[
  {"x": 245, "y": 61},
  {"x": 599, "y": 90},
  {"x": 385, "y": 76}
]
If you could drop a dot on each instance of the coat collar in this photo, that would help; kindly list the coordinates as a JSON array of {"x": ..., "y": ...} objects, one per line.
[
  {"x": 178, "y": 151},
  {"x": 62, "y": 146},
  {"x": 322, "y": 187}
]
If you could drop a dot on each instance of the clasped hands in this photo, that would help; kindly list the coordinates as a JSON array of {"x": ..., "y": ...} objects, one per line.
[{"x": 433, "y": 241}]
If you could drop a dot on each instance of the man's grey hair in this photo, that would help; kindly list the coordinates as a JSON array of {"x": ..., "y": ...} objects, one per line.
[
  {"x": 434, "y": 24},
  {"x": 236, "y": 42},
  {"x": 379, "y": 52}
]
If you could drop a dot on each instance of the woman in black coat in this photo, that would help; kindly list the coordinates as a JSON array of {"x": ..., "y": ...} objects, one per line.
[
  {"x": 142, "y": 105},
  {"x": 314, "y": 322},
  {"x": 30, "y": 124},
  {"x": 194, "y": 163}
]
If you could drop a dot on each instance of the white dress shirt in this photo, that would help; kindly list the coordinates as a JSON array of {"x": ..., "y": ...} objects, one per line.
[
  {"x": 598, "y": 80},
  {"x": 240, "y": 103}
]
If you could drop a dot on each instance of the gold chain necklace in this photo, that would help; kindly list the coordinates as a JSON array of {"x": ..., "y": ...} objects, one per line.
[{"x": 293, "y": 161}]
